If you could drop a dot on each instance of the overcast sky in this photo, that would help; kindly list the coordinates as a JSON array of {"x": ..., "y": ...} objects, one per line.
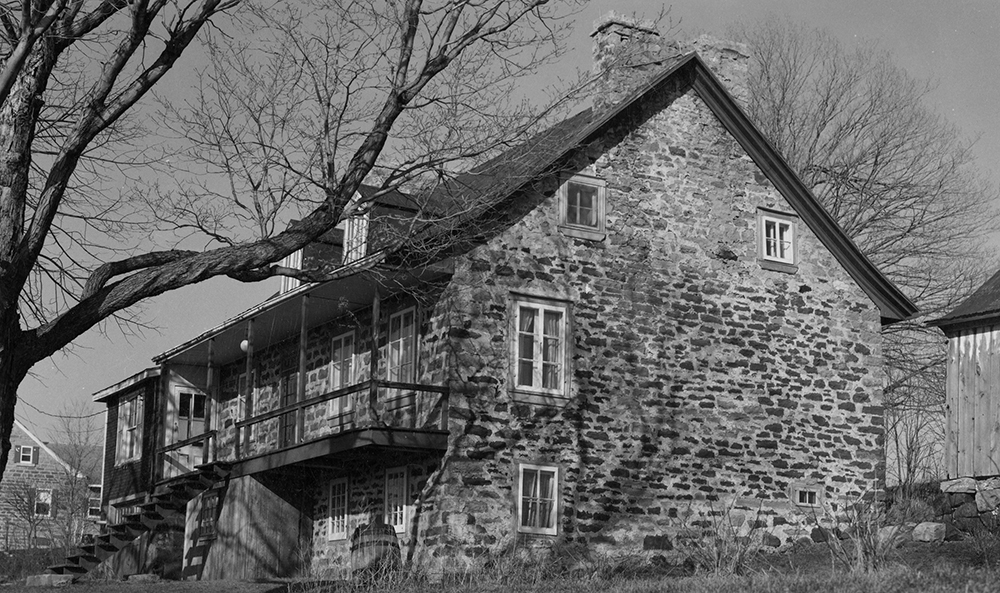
[{"x": 952, "y": 42}]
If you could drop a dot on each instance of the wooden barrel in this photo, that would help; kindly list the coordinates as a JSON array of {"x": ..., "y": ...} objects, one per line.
[{"x": 374, "y": 548}]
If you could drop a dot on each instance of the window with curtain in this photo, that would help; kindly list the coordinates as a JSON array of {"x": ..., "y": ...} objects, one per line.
[
  {"x": 540, "y": 348},
  {"x": 536, "y": 509}
]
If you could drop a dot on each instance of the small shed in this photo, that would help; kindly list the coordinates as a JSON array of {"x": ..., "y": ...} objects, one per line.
[{"x": 972, "y": 411}]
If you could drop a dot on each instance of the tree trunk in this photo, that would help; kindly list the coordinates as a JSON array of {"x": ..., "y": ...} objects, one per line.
[{"x": 12, "y": 372}]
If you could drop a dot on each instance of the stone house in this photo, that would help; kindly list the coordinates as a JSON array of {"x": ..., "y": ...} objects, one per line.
[
  {"x": 655, "y": 319},
  {"x": 51, "y": 493}
]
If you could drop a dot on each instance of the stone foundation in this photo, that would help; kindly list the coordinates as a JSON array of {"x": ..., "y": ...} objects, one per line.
[{"x": 974, "y": 502}]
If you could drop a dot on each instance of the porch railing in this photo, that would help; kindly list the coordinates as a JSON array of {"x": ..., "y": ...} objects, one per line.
[
  {"x": 369, "y": 404},
  {"x": 181, "y": 457}
]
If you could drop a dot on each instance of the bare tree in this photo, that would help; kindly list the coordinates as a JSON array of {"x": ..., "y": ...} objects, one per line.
[
  {"x": 76, "y": 441},
  {"x": 76, "y": 69},
  {"x": 30, "y": 507},
  {"x": 897, "y": 177}
]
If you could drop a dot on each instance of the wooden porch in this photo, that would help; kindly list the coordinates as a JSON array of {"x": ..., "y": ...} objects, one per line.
[{"x": 370, "y": 414}]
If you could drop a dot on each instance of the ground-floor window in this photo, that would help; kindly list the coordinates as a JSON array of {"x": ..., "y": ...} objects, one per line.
[
  {"x": 338, "y": 509},
  {"x": 538, "y": 487},
  {"x": 395, "y": 498}
]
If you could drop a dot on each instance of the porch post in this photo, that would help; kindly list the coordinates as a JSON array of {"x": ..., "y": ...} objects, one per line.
[
  {"x": 248, "y": 399},
  {"x": 300, "y": 385},
  {"x": 373, "y": 367},
  {"x": 208, "y": 452}
]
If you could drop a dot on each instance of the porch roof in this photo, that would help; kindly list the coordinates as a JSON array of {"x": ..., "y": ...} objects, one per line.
[{"x": 279, "y": 317}]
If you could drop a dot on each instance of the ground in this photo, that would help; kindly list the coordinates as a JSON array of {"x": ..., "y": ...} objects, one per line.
[{"x": 970, "y": 565}]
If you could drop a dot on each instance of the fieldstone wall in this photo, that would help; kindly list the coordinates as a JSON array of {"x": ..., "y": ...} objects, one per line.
[
  {"x": 972, "y": 502},
  {"x": 365, "y": 501},
  {"x": 700, "y": 380}
]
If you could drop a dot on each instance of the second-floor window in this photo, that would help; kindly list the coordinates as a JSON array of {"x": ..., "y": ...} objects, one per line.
[
  {"x": 400, "y": 359},
  {"x": 129, "y": 429},
  {"x": 540, "y": 346},
  {"x": 343, "y": 371}
]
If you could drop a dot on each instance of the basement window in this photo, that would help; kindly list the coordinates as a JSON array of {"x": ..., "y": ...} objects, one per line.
[
  {"x": 807, "y": 495},
  {"x": 582, "y": 202}
]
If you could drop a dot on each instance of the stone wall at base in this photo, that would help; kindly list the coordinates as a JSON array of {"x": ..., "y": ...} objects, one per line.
[{"x": 974, "y": 502}]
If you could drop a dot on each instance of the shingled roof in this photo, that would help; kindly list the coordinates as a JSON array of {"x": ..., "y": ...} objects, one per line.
[{"x": 982, "y": 305}]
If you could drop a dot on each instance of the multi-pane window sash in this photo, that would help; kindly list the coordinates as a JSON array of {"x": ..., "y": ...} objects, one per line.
[
  {"x": 778, "y": 240},
  {"x": 129, "y": 429},
  {"x": 342, "y": 373},
  {"x": 401, "y": 359},
  {"x": 338, "y": 509},
  {"x": 26, "y": 455},
  {"x": 356, "y": 238},
  {"x": 540, "y": 347},
  {"x": 395, "y": 498},
  {"x": 537, "y": 499},
  {"x": 582, "y": 204},
  {"x": 94, "y": 501}
]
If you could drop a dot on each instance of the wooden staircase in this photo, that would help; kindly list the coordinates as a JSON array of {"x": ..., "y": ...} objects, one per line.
[{"x": 169, "y": 502}]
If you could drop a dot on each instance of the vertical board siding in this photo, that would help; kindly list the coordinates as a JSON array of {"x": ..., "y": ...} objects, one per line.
[
  {"x": 991, "y": 375},
  {"x": 966, "y": 409},
  {"x": 972, "y": 403},
  {"x": 981, "y": 445},
  {"x": 951, "y": 411}
]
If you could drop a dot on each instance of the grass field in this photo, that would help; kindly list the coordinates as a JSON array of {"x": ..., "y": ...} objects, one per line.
[{"x": 948, "y": 567}]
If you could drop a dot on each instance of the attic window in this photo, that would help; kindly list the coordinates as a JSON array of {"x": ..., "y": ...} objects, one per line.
[
  {"x": 777, "y": 246},
  {"x": 26, "y": 455},
  {"x": 355, "y": 231},
  {"x": 582, "y": 207},
  {"x": 292, "y": 260}
]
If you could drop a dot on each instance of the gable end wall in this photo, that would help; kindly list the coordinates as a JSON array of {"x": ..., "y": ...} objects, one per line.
[{"x": 698, "y": 376}]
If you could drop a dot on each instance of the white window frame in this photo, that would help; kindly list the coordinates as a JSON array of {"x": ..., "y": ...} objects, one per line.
[
  {"x": 553, "y": 519},
  {"x": 776, "y": 230},
  {"x": 395, "y": 514},
  {"x": 43, "y": 496},
  {"x": 338, "y": 500},
  {"x": 129, "y": 438},
  {"x": 538, "y": 360},
  {"x": 294, "y": 261},
  {"x": 342, "y": 406},
  {"x": 403, "y": 372},
  {"x": 593, "y": 232},
  {"x": 92, "y": 490},
  {"x": 30, "y": 449}
]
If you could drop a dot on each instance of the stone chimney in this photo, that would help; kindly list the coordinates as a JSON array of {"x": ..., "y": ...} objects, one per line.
[{"x": 629, "y": 51}]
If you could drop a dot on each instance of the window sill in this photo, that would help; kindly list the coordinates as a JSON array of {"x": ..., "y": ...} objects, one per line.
[
  {"x": 590, "y": 234},
  {"x": 777, "y": 266},
  {"x": 543, "y": 399}
]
